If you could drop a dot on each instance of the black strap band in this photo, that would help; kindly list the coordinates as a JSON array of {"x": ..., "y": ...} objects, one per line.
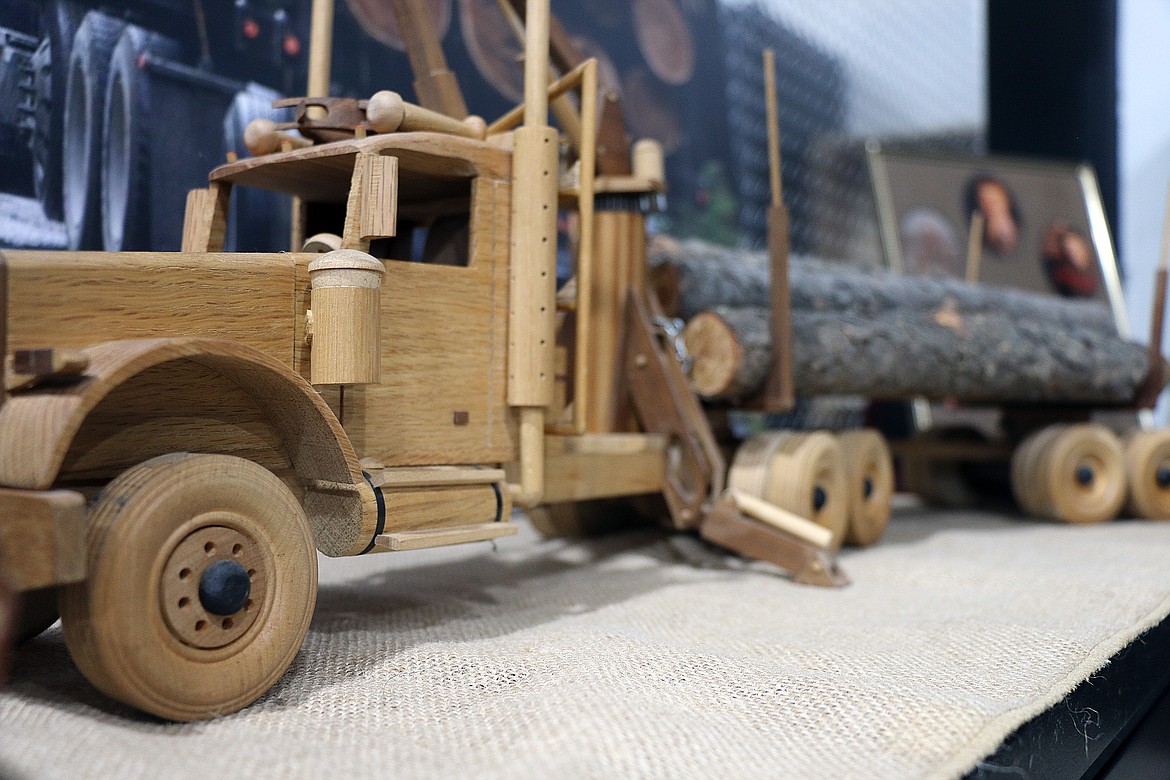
[{"x": 381, "y": 525}]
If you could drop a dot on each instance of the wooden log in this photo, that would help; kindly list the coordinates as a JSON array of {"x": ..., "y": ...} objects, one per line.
[
  {"x": 981, "y": 356},
  {"x": 693, "y": 276}
]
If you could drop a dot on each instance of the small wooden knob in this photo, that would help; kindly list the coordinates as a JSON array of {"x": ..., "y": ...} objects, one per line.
[
  {"x": 261, "y": 137},
  {"x": 385, "y": 111},
  {"x": 478, "y": 126}
]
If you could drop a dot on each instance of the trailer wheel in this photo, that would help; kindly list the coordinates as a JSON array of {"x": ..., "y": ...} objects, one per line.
[
  {"x": 127, "y": 141},
  {"x": 1147, "y": 470},
  {"x": 1070, "y": 473},
  {"x": 50, "y": 69},
  {"x": 258, "y": 220},
  {"x": 801, "y": 472},
  {"x": 869, "y": 477},
  {"x": 202, "y": 578}
]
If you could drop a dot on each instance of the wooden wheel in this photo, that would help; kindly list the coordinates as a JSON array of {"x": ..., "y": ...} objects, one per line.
[
  {"x": 1070, "y": 473},
  {"x": 1147, "y": 470},
  {"x": 322, "y": 243},
  {"x": 869, "y": 476},
  {"x": 801, "y": 472},
  {"x": 202, "y": 579}
]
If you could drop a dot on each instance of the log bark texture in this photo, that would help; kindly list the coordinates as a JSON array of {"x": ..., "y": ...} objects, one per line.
[
  {"x": 981, "y": 356},
  {"x": 693, "y": 276}
]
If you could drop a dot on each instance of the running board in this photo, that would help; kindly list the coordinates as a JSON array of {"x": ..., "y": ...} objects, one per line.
[{"x": 441, "y": 537}]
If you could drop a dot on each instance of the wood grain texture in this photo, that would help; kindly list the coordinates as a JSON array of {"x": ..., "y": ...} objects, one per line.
[
  {"x": 532, "y": 284},
  {"x": 42, "y": 538},
  {"x": 373, "y": 201},
  {"x": 442, "y": 537},
  {"x": 603, "y": 465},
  {"x": 427, "y": 508},
  {"x": 427, "y": 164},
  {"x": 77, "y": 299},
  {"x": 38, "y": 428},
  {"x": 123, "y": 638},
  {"x": 444, "y": 332},
  {"x": 205, "y": 223},
  {"x": 435, "y": 476},
  {"x": 434, "y": 83},
  {"x": 618, "y": 267}
]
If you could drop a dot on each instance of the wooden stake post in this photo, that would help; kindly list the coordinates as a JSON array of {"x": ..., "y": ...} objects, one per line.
[{"x": 779, "y": 395}]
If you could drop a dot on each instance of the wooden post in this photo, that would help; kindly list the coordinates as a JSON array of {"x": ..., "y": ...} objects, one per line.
[
  {"x": 585, "y": 252},
  {"x": 320, "y": 48},
  {"x": 532, "y": 289},
  {"x": 1147, "y": 396},
  {"x": 779, "y": 394},
  {"x": 434, "y": 83},
  {"x": 347, "y": 304}
]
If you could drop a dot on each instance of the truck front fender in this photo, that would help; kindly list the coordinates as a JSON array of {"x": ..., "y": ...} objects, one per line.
[{"x": 44, "y": 430}]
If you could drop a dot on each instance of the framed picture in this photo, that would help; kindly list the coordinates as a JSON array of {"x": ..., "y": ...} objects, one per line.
[{"x": 1011, "y": 222}]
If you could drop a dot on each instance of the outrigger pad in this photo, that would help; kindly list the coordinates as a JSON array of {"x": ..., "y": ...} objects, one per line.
[{"x": 808, "y": 564}]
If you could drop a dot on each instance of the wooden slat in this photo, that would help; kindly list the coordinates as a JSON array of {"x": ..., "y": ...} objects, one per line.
[
  {"x": 603, "y": 465},
  {"x": 432, "y": 476},
  {"x": 419, "y": 540}
]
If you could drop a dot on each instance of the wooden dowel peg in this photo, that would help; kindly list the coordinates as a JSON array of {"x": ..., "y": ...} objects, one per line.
[
  {"x": 261, "y": 137},
  {"x": 387, "y": 112},
  {"x": 781, "y": 519}
]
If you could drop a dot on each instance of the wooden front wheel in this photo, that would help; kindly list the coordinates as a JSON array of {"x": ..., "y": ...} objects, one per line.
[
  {"x": 1070, "y": 473},
  {"x": 202, "y": 579},
  {"x": 869, "y": 477},
  {"x": 1147, "y": 470}
]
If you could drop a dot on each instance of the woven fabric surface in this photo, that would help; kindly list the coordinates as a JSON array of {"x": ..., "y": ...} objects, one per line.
[{"x": 644, "y": 655}]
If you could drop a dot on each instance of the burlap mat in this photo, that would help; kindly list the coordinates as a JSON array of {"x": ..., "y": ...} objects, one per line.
[{"x": 645, "y": 656}]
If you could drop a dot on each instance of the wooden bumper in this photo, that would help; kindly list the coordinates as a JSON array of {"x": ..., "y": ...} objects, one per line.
[{"x": 42, "y": 537}]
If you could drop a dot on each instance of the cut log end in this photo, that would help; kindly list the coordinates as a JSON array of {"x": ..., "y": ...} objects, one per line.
[{"x": 715, "y": 353}]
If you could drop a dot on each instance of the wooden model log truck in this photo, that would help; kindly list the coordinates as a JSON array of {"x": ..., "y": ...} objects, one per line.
[{"x": 181, "y": 433}]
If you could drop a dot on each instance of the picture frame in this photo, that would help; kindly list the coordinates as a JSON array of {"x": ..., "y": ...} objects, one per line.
[{"x": 1044, "y": 225}]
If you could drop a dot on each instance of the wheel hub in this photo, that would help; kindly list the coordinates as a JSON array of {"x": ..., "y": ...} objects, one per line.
[
  {"x": 1162, "y": 477},
  {"x": 1084, "y": 475},
  {"x": 224, "y": 587},
  {"x": 820, "y": 498},
  {"x": 212, "y": 586},
  {"x": 867, "y": 488}
]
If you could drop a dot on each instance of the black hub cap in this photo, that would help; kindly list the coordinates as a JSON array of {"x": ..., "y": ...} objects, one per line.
[
  {"x": 1084, "y": 475},
  {"x": 867, "y": 487},
  {"x": 224, "y": 588},
  {"x": 819, "y": 498}
]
